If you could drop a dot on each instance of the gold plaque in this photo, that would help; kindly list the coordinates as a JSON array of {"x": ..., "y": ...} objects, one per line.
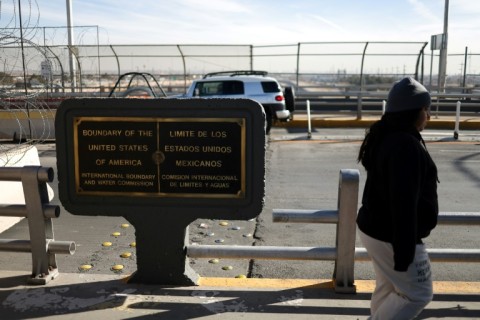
[{"x": 160, "y": 157}]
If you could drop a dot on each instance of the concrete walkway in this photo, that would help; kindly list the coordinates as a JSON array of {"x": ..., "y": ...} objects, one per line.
[
  {"x": 100, "y": 296},
  {"x": 87, "y": 296}
]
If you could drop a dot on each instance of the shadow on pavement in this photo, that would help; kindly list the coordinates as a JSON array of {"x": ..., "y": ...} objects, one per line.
[{"x": 112, "y": 298}]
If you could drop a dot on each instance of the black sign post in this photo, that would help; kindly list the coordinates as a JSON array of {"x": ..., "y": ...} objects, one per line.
[{"x": 162, "y": 164}]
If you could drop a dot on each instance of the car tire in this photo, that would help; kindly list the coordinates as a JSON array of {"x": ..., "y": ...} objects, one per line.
[{"x": 289, "y": 95}]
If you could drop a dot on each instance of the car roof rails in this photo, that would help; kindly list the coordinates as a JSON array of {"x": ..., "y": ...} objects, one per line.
[{"x": 237, "y": 73}]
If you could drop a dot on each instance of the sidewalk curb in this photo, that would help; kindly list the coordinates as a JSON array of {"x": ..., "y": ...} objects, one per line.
[{"x": 17, "y": 280}]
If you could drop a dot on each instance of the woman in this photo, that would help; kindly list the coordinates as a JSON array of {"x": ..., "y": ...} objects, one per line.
[{"x": 399, "y": 205}]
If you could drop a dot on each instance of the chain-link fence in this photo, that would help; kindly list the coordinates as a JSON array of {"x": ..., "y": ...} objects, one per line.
[{"x": 308, "y": 66}]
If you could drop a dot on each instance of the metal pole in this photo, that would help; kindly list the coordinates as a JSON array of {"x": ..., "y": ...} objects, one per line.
[
  {"x": 73, "y": 79},
  {"x": 346, "y": 230},
  {"x": 55, "y": 247},
  {"x": 184, "y": 68},
  {"x": 442, "y": 72},
  {"x": 44, "y": 266},
  {"x": 420, "y": 58},
  {"x": 263, "y": 252},
  {"x": 305, "y": 216},
  {"x": 14, "y": 210},
  {"x": 24, "y": 69},
  {"x": 454, "y": 255},
  {"x": 435, "y": 255},
  {"x": 457, "y": 121},
  {"x": 459, "y": 218},
  {"x": 44, "y": 174},
  {"x": 431, "y": 68},
  {"x": 464, "y": 90},
  {"x": 251, "y": 59},
  {"x": 359, "y": 99},
  {"x": 23, "y": 54},
  {"x": 298, "y": 65},
  {"x": 423, "y": 65},
  {"x": 309, "y": 120},
  {"x": 98, "y": 59},
  {"x": 61, "y": 68},
  {"x": 116, "y": 58}
]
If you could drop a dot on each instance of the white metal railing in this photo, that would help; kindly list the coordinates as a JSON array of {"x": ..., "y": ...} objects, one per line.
[
  {"x": 39, "y": 214},
  {"x": 345, "y": 253}
]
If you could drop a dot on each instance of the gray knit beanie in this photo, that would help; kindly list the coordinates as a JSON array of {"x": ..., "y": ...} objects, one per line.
[{"x": 407, "y": 94}]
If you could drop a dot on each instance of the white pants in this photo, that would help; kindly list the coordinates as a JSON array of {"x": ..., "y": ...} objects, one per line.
[{"x": 398, "y": 295}]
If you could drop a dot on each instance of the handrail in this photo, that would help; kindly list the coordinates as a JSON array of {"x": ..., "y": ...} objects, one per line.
[
  {"x": 344, "y": 253},
  {"x": 16, "y": 173},
  {"x": 39, "y": 214},
  {"x": 380, "y": 94}
]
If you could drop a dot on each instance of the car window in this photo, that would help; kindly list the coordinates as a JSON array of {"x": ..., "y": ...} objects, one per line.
[
  {"x": 212, "y": 88},
  {"x": 270, "y": 86}
]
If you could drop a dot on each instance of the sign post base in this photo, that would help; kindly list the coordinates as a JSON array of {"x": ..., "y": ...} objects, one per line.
[{"x": 161, "y": 250}]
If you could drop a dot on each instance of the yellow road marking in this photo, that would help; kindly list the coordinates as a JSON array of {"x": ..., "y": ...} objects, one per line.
[{"x": 363, "y": 286}]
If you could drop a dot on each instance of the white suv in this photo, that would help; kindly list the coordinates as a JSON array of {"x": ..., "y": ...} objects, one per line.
[{"x": 255, "y": 85}]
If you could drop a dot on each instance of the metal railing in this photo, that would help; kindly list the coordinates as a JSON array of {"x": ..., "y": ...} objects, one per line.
[
  {"x": 345, "y": 253},
  {"x": 39, "y": 214},
  {"x": 445, "y": 255}
]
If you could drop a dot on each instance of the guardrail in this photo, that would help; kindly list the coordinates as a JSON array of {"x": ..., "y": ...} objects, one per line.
[
  {"x": 357, "y": 100},
  {"x": 354, "y": 99},
  {"x": 345, "y": 253},
  {"x": 39, "y": 214}
]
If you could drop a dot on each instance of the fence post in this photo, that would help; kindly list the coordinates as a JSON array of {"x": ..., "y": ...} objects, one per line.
[
  {"x": 309, "y": 120},
  {"x": 343, "y": 275},
  {"x": 457, "y": 121}
]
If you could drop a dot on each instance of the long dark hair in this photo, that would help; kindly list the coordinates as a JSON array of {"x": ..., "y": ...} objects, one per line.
[{"x": 390, "y": 122}]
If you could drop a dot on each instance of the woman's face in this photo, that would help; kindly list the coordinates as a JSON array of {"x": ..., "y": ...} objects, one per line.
[{"x": 423, "y": 118}]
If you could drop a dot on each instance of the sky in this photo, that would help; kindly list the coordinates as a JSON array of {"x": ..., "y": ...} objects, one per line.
[{"x": 263, "y": 22}]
